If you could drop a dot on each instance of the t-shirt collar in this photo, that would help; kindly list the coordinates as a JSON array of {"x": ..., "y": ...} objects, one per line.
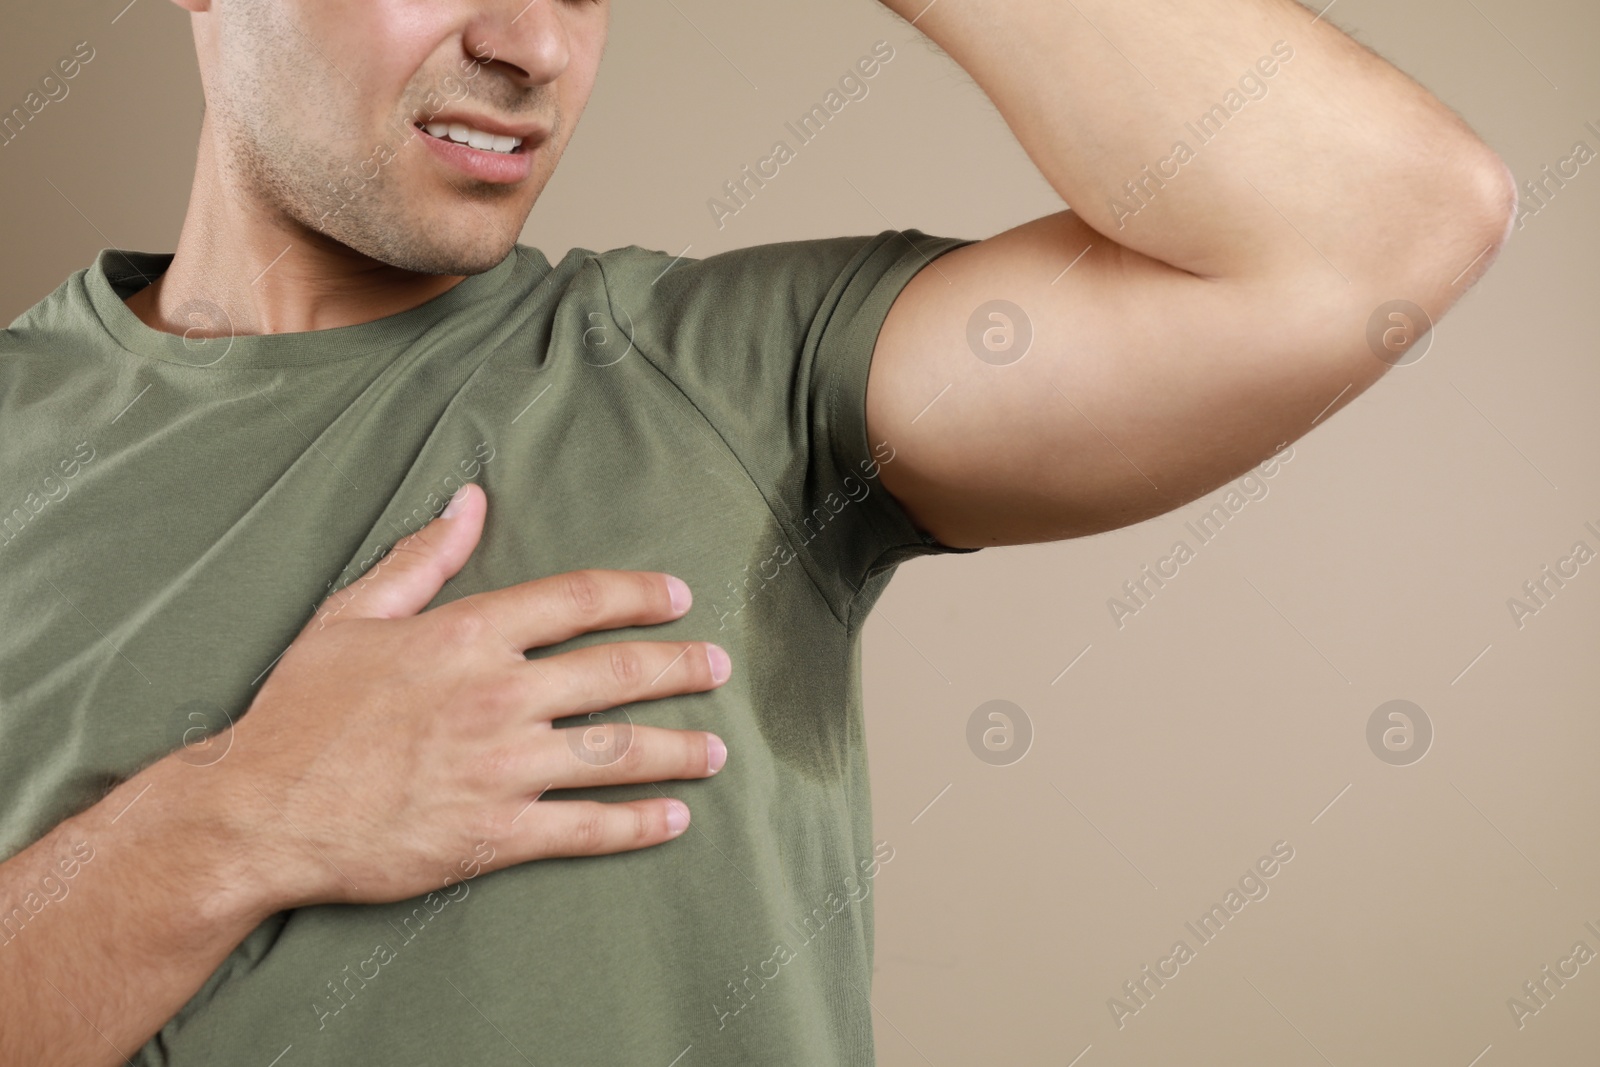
[{"x": 118, "y": 273}]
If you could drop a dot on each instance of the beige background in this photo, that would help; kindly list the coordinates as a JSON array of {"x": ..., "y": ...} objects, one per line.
[{"x": 1231, "y": 711}]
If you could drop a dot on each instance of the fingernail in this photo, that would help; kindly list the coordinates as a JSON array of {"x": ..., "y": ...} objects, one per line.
[
  {"x": 721, "y": 665},
  {"x": 717, "y": 752},
  {"x": 681, "y": 597},
  {"x": 454, "y": 506},
  {"x": 677, "y": 816}
]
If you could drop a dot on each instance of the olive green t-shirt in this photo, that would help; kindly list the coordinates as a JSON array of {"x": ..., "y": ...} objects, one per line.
[{"x": 175, "y": 507}]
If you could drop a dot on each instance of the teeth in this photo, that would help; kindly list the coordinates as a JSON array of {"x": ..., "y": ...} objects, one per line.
[{"x": 479, "y": 139}]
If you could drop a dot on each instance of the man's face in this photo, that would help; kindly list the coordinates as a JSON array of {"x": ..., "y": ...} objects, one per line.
[{"x": 320, "y": 112}]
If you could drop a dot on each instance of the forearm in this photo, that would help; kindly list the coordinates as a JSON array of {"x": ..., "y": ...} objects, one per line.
[
  {"x": 95, "y": 961},
  {"x": 1371, "y": 169}
]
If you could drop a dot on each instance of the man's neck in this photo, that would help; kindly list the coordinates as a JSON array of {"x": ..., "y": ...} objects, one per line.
[{"x": 243, "y": 269}]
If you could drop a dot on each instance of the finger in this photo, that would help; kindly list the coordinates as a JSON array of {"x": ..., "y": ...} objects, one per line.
[
  {"x": 622, "y": 672},
  {"x": 407, "y": 579},
  {"x": 595, "y": 828},
  {"x": 547, "y": 611},
  {"x": 616, "y": 753}
]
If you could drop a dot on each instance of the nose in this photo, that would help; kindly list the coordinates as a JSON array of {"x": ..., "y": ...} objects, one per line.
[{"x": 525, "y": 40}]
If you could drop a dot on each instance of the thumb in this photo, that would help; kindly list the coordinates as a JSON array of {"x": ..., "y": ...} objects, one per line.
[{"x": 407, "y": 579}]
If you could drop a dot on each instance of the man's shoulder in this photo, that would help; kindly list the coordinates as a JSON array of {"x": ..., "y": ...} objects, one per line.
[
  {"x": 799, "y": 248},
  {"x": 60, "y": 316},
  {"x": 749, "y": 268},
  {"x": 758, "y": 285}
]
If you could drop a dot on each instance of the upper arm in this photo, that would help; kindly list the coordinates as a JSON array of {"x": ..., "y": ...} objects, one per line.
[{"x": 1143, "y": 386}]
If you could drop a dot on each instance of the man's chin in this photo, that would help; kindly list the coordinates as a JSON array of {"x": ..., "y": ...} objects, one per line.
[
  {"x": 466, "y": 255},
  {"x": 461, "y": 267},
  {"x": 450, "y": 261}
]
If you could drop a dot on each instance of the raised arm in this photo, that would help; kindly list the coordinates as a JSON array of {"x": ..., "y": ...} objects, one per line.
[{"x": 1252, "y": 194}]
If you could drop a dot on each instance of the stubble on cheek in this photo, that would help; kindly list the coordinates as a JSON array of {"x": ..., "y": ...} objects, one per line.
[{"x": 303, "y": 142}]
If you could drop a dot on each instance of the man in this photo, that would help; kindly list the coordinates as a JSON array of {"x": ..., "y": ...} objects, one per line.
[{"x": 230, "y": 461}]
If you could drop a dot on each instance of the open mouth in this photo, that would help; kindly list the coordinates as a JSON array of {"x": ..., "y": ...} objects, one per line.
[{"x": 462, "y": 134}]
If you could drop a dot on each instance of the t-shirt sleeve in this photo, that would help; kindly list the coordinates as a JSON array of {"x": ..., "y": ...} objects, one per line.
[{"x": 772, "y": 344}]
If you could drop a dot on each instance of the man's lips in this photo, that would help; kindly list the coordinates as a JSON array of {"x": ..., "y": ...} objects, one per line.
[
  {"x": 487, "y": 149},
  {"x": 463, "y": 124}
]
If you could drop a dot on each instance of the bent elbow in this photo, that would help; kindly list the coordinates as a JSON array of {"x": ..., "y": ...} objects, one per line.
[
  {"x": 1497, "y": 193},
  {"x": 1490, "y": 204}
]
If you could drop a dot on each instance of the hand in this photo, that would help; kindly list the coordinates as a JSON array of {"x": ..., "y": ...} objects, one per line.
[{"x": 387, "y": 746}]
